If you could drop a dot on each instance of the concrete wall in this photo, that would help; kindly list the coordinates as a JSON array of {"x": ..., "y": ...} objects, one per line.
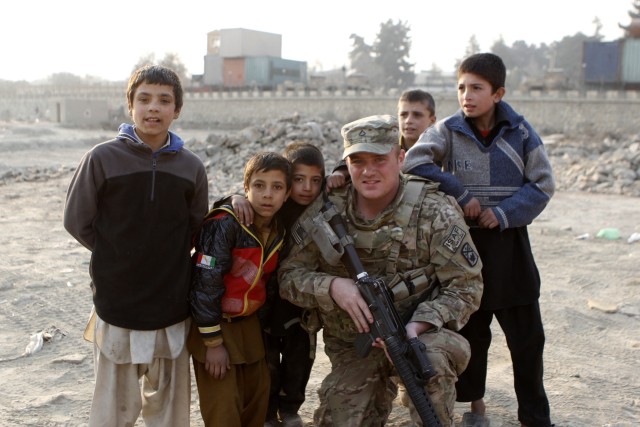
[
  {"x": 562, "y": 112},
  {"x": 84, "y": 112},
  {"x": 555, "y": 113}
]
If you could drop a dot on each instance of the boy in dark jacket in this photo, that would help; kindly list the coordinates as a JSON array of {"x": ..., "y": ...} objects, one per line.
[
  {"x": 493, "y": 162},
  {"x": 232, "y": 265},
  {"x": 135, "y": 202},
  {"x": 290, "y": 347}
]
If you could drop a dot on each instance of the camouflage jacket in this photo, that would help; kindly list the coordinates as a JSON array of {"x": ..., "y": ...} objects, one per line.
[{"x": 420, "y": 246}]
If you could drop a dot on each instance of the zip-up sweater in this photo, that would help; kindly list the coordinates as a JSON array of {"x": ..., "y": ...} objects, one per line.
[
  {"x": 230, "y": 272},
  {"x": 137, "y": 211},
  {"x": 512, "y": 175}
]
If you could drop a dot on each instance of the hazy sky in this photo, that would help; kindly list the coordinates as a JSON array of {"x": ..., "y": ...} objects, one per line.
[{"x": 106, "y": 39}]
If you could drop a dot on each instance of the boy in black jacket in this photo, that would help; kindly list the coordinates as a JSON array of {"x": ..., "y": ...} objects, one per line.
[
  {"x": 232, "y": 265},
  {"x": 135, "y": 202}
]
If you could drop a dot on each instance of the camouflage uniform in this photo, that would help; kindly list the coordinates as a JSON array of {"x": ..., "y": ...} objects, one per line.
[{"x": 421, "y": 240}]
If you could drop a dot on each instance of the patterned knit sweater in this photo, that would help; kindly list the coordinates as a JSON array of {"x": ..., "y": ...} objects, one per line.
[{"x": 511, "y": 175}]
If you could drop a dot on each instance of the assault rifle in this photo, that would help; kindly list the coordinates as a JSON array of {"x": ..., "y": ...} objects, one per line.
[{"x": 408, "y": 355}]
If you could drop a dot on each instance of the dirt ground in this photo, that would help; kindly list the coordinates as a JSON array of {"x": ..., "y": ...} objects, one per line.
[{"x": 590, "y": 300}]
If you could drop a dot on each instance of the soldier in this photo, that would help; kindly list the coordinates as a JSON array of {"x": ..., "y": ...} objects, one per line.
[{"x": 412, "y": 236}]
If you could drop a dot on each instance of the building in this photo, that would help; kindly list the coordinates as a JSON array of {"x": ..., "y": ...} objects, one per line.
[{"x": 239, "y": 58}]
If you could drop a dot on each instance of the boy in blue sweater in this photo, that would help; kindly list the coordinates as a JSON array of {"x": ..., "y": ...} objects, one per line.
[{"x": 493, "y": 162}]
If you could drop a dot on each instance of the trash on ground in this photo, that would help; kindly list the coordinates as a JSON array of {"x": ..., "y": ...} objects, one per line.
[
  {"x": 35, "y": 344},
  {"x": 609, "y": 233},
  {"x": 606, "y": 308}
]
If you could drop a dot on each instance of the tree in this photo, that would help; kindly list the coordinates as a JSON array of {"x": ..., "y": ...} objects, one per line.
[
  {"x": 385, "y": 62},
  {"x": 633, "y": 29},
  {"x": 472, "y": 48},
  {"x": 170, "y": 60},
  {"x": 567, "y": 56},
  {"x": 391, "y": 49},
  {"x": 65, "y": 79},
  {"x": 598, "y": 27},
  {"x": 148, "y": 59},
  {"x": 361, "y": 57}
]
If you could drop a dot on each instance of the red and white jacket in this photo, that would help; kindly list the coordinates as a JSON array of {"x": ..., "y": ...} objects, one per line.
[{"x": 230, "y": 272}]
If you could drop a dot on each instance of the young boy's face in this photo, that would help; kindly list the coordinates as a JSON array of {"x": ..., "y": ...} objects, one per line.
[
  {"x": 414, "y": 118},
  {"x": 476, "y": 96},
  {"x": 153, "y": 110},
  {"x": 307, "y": 183},
  {"x": 267, "y": 191}
]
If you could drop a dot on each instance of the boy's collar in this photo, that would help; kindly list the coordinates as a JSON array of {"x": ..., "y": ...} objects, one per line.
[{"x": 167, "y": 142}]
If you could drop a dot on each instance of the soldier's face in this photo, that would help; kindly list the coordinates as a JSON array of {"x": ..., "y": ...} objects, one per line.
[{"x": 375, "y": 176}]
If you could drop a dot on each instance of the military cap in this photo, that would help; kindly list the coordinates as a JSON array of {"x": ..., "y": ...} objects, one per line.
[{"x": 373, "y": 134}]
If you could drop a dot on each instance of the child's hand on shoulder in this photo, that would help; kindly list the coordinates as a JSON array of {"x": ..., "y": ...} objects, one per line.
[
  {"x": 242, "y": 209},
  {"x": 337, "y": 179}
]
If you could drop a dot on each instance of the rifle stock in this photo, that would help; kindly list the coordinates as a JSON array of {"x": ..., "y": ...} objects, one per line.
[{"x": 408, "y": 355}]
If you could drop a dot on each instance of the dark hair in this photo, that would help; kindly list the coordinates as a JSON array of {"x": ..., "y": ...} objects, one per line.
[
  {"x": 155, "y": 75},
  {"x": 267, "y": 161},
  {"x": 418, "y": 95},
  {"x": 486, "y": 65},
  {"x": 305, "y": 153}
]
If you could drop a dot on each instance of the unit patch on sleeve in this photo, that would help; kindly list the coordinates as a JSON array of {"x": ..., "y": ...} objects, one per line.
[
  {"x": 454, "y": 239},
  {"x": 205, "y": 261},
  {"x": 470, "y": 254}
]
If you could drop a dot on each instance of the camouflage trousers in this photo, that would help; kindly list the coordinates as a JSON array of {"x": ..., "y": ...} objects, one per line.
[{"x": 360, "y": 392}]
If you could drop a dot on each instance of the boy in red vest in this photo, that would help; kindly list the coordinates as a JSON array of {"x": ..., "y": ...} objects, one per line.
[{"x": 233, "y": 263}]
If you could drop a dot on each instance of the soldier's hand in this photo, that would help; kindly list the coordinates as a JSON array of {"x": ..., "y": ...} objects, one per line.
[{"x": 345, "y": 293}]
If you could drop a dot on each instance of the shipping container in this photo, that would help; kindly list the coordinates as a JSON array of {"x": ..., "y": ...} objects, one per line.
[
  {"x": 612, "y": 65},
  {"x": 233, "y": 72},
  {"x": 257, "y": 72},
  {"x": 240, "y": 42},
  {"x": 602, "y": 62},
  {"x": 285, "y": 71},
  {"x": 213, "y": 71},
  {"x": 630, "y": 71},
  {"x": 266, "y": 72}
]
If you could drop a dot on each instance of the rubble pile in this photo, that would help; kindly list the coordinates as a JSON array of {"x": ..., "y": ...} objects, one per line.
[
  {"x": 225, "y": 155},
  {"x": 587, "y": 164},
  {"x": 609, "y": 165}
]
